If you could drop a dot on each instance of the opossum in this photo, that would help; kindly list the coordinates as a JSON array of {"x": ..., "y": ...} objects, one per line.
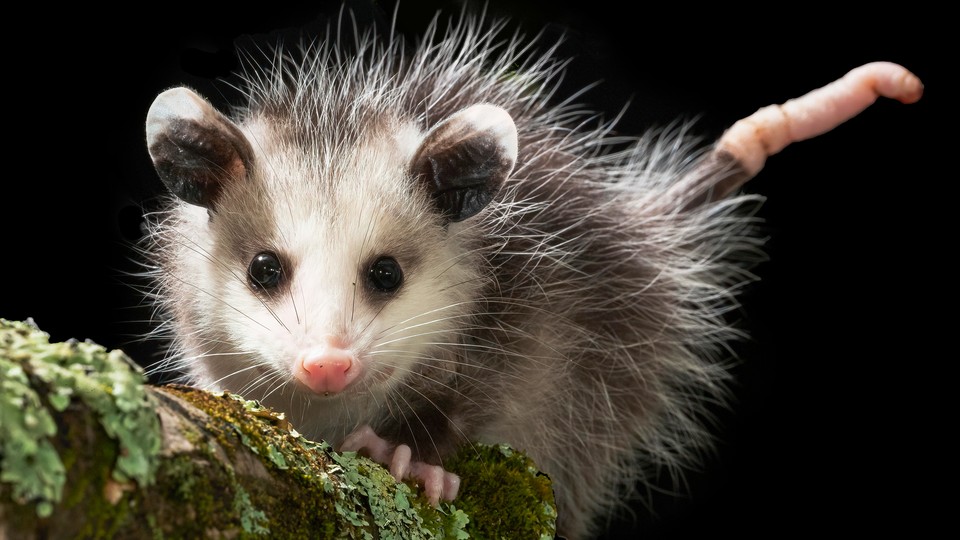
[{"x": 409, "y": 249}]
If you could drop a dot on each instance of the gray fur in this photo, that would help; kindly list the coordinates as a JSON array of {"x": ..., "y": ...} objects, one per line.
[{"x": 593, "y": 331}]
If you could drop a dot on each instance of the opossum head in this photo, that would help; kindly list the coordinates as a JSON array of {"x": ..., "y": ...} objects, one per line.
[{"x": 322, "y": 267}]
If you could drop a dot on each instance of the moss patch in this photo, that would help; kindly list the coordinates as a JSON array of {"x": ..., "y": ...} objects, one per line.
[
  {"x": 498, "y": 485},
  {"x": 83, "y": 455},
  {"x": 362, "y": 493}
]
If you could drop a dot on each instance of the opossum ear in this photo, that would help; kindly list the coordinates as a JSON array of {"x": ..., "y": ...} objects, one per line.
[
  {"x": 195, "y": 149},
  {"x": 465, "y": 159}
]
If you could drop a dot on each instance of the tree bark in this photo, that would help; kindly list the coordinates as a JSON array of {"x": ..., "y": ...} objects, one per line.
[{"x": 88, "y": 450}]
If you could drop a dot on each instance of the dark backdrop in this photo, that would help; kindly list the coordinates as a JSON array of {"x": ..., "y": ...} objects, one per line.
[{"x": 837, "y": 425}]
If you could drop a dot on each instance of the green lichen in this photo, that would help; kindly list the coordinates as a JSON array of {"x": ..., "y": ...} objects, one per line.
[
  {"x": 359, "y": 491},
  {"x": 40, "y": 380},
  {"x": 499, "y": 483},
  {"x": 29, "y": 463},
  {"x": 456, "y": 524},
  {"x": 252, "y": 519},
  {"x": 395, "y": 512},
  {"x": 65, "y": 372},
  {"x": 241, "y": 470}
]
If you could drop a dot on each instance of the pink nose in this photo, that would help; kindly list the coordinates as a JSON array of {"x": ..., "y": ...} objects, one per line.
[{"x": 327, "y": 368}]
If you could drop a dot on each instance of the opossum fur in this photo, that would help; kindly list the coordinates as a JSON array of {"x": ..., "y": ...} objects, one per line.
[{"x": 581, "y": 316}]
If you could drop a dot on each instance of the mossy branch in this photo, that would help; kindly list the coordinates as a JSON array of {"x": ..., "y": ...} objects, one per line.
[{"x": 88, "y": 450}]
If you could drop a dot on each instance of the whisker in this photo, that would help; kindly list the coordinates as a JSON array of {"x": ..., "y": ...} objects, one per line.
[
  {"x": 196, "y": 248},
  {"x": 464, "y": 437}
]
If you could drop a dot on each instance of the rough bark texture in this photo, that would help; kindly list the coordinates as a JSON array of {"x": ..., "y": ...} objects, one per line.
[{"x": 88, "y": 450}]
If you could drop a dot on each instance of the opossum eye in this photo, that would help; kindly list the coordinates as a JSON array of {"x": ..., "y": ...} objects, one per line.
[
  {"x": 265, "y": 271},
  {"x": 385, "y": 274}
]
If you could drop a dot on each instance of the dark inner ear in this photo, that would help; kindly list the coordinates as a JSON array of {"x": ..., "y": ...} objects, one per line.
[
  {"x": 464, "y": 160},
  {"x": 195, "y": 149}
]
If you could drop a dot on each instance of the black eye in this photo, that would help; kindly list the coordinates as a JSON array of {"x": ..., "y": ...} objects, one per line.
[
  {"x": 385, "y": 274},
  {"x": 265, "y": 271}
]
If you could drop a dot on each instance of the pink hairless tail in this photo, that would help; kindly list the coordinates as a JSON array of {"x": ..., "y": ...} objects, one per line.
[{"x": 771, "y": 129}]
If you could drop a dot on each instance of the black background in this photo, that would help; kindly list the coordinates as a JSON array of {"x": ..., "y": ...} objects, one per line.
[{"x": 839, "y": 423}]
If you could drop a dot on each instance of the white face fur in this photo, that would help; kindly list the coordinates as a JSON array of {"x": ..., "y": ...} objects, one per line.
[{"x": 323, "y": 216}]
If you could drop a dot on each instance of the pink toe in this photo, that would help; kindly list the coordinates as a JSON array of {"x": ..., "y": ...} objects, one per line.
[
  {"x": 451, "y": 486},
  {"x": 400, "y": 464},
  {"x": 364, "y": 438},
  {"x": 437, "y": 483}
]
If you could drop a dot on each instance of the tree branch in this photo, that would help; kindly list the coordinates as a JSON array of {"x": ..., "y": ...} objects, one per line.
[{"x": 88, "y": 450}]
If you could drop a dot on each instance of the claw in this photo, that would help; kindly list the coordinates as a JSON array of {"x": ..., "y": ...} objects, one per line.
[
  {"x": 437, "y": 483},
  {"x": 400, "y": 464}
]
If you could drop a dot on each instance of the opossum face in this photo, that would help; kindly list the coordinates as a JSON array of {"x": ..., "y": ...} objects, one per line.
[{"x": 335, "y": 270}]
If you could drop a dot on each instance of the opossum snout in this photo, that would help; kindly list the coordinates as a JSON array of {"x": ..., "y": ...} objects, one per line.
[{"x": 328, "y": 368}]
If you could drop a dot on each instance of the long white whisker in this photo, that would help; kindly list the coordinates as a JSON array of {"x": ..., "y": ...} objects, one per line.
[{"x": 193, "y": 246}]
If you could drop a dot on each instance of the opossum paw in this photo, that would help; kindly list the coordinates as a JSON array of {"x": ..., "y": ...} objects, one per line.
[{"x": 437, "y": 483}]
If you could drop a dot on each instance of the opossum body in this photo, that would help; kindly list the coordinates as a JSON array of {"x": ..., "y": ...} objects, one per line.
[{"x": 411, "y": 250}]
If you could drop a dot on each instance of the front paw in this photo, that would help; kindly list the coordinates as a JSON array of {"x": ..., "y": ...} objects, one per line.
[{"x": 437, "y": 483}]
